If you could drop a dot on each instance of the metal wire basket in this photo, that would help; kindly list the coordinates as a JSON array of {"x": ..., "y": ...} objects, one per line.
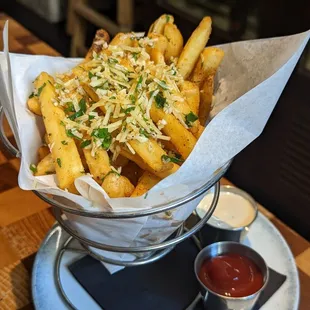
[{"x": 144, "y": 254}]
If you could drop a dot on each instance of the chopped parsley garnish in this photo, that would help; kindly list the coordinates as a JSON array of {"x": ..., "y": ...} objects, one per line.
[
  {"x": 139, "y": 83},
  {"x": 85, "y": 143},
  {"x": 167, "y": 159},
  {"x": 62, "y": 123},
  {"x": 71, "y": 135},
  {"x": 104, "y": 135},
  {"x": 160, "y": 101},
  {"x": 58, "y": 86},
  {"x": 33, "y": 168},
  {"x": 132, "y": 99},
  {"x": 128, "y": 110},
  {"x": 64, "y": 142},
  {"x": 112, "y": 61},
  {"x": 146, "y": 194},
  {"x": 31, "y": 95},
  {"x": 90, "y": 117},
  {"x": 190, "y": 118},
  {"x": 69, "y": 107},
  {"x": 143, "y": 132},
  {"x": 110, "y": 172},
  {"x": 59, "y": 162},
  {"x": 163, "y": 84},
  {"x": 90, "y": 75},
  {"x": 167, "y": 18},
  {"x": 40, "y": 89},
  {"x": 82, "y": 105},
  {"x": 135, "y": 56},
  {"x": 113, "y": 97}
]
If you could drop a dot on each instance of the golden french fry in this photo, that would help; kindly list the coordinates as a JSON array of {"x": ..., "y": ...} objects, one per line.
[
  {"x": 99, "y": 165},
  {"x": 122, "y": 39},
  {"x": 199, "y": 132},
  {"x": 90, "y": 92},
  {"x": 45, "y": 166},
  {"x": 206, "y": 95},
  {"x": 100, "y": 39},
  {"x": 151, "y": 153},
  {"x": 145, "y": 183},
  {"x": 157, "y": 56},
  {"x": 189, "y": 118},
  {"x": 207, "y": 64},
  {"x": 182, "y": 139},
  {"x": 160, "y": 43},
  {"x": 34, "y": 105},
  {"x": 45, "y": 139},
  {"x": 64, "y": 152},
  {"x": 43, "y": 151},
  {"x": 117, "y": 186},
  {"x": 139, "y": 161},
  {"x": 194, "y": 47},
  {"x": 190, "y": 92},
  {"x": 159, "y": 24},
  {"x": 175, "y": 41}
]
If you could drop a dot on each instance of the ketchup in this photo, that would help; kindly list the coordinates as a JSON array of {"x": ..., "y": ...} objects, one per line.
[{"x": 231, "y": 275}]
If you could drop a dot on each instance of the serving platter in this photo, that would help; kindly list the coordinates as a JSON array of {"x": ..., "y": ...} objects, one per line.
[{"x": 263, "y": 237}]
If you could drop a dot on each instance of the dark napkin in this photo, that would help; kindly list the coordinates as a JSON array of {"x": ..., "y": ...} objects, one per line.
[{"x": 169, "y": 282}]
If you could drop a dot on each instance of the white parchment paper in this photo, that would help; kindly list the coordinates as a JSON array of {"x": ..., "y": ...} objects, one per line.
[{"x": 249, "y": 83}]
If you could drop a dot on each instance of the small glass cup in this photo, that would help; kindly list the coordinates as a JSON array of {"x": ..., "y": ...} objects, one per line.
[
  {"x": 211, "y": 232},
  {"x": 213, "y": 300}
]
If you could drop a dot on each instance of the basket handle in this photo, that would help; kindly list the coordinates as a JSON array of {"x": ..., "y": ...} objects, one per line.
[{"x": 8, "y": 145}]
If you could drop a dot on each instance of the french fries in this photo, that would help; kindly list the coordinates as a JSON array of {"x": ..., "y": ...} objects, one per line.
[
  {"x": 146, "y": 182},
  {"x": 181, "y": 138},
  {"x": 207, "y": 65},
  {"x": 190, "y": 92},
  {"x": 68, "y": 163},
  {"x": 45, "y": 166},
  {"x": 122, "y": 39},
  {"x": 43, "y": 151},
  {"x": 117, "y": 186},
  {"x": 100, "y": 39},
  {"x": 159, "y": 24},
  {"x": 175, "y": 41},
  {"x": 194, "y": 47},
  {"x": 131, "y": 112},
  {"x": 99, "y": 164},
  {"x": 34, "y": 105},
  {"x": 152, "y": 154},
  {"x": 206, "y": 96}
]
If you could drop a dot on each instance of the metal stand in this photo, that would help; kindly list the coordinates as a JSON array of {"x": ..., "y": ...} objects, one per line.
[
  {"x": 144, "y": 254},
  {"x": 66, "y": 247}
]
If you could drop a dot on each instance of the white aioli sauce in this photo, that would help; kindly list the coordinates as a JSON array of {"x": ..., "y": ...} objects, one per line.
[{"x": 233, "y": 210}]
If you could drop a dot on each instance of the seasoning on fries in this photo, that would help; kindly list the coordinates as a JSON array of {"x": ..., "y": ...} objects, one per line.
[{"x": 138, "y": 100}]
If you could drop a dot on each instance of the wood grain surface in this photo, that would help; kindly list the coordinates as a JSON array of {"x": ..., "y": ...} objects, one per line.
[{"x": 25, "y": 219}]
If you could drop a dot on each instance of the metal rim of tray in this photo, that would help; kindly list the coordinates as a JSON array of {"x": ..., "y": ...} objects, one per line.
[{"x": 117, "y": 215}]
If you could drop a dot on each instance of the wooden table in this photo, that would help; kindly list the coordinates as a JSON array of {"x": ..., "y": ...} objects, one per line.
[{"x": 25, "y": 219}]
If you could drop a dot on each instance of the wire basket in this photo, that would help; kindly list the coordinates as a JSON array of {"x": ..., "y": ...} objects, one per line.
[{"x": 144, "y": 254}]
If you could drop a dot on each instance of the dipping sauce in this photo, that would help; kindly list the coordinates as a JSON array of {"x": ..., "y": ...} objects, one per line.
[
  {"x": 231, "y": 275},
  {"x": 232, "y": 210}
]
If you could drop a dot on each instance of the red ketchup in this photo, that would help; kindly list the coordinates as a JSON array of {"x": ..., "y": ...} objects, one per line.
[{"x": 231, "y": 275}]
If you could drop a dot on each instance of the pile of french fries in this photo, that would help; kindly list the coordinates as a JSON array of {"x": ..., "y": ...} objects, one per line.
[{"x": 131, "y": 112}]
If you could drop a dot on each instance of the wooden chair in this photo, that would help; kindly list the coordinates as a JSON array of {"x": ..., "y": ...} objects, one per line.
[{"x": 79, "y": 12}]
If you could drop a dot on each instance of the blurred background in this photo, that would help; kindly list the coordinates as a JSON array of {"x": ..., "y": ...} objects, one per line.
[{"x": 275, "y": 168}]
